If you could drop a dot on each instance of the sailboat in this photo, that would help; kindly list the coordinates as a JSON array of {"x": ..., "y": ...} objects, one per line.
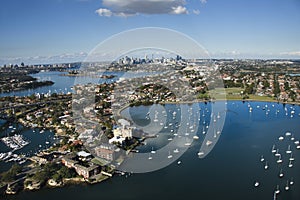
[
  {"x": 150, "y": 157},
  {"x": 279, "y": 159},
  {"x": 277, "y": 153},
  {"x": 170, "y": 156},
  {"x": 277, "y": 191},
  {"x": 292, "y": 181},
  {"x": 280, "y": 173},
  {"x": 287, "y": 186},
  {"x": 262, "y": 159},
  {"x": 291, "y": 158},
  {"x": 288, "y": 151},
  {"x": 273, "y": 149},
  {"x": 203, "y": 131},
  {"x": 266, "y": 165},
  {"x": 290, "y": 164},
  {"x": 152, "y": 151}
]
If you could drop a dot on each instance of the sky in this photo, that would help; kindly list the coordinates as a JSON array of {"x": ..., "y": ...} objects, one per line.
[{"x": 53, "y": 31}]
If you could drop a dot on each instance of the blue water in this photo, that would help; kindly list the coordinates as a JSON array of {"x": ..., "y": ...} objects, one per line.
[{"x": 227, "y": 172}]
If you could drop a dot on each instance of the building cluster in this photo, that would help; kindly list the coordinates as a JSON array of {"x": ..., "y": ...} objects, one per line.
[{"x": 82, "y": 164}]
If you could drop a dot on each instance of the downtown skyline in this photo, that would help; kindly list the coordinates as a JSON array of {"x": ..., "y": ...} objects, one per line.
[{"x": 67, "y": 30}]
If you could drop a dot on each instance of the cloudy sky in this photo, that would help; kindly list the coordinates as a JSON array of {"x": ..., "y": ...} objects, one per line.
[{"x": 48, "y": 31}]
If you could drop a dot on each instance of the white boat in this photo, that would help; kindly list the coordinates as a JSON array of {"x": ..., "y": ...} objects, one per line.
[
  {"x": 277, "y": 191},
  {"x": 288, "y": 134},
  {"x": 150, "y": 157},
  {"x": 169, "y": 156},
  {"x": 292, "y": 138},
  {"x": 290, "y": 164},
  {"x": 296, "y": 142},
  {"x": 200, "y": 153},
  {"x": 280, "y": 138},
  {"x": 262, "y": 159},
  {"x": 208, "y": 142},
  {"x": 298, "y": 147},
  {"x": 195, "y": 137},
  {"x": 176, "y": 151},
  {"x": 292, "y": 181},
  {"x": 266, "y": 165},
  {"x": 291, "y": 158},
  {"x": 179, "y": 162},
  {"x": 288, "y": 151},
  {"x": 152, "y": 151},
  {"x": 279, "y": 159},
  {"x": 256, "y": 184},
  {"x": 287, "y": 186},
  {"x": 277, "y": 153},
  {"x": 273, "y": 149},
  {"x": 280, "y": 173},
  {"x": 170, "y": 139}
]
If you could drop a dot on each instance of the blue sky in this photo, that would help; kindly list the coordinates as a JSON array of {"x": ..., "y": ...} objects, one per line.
[{"x": 46, "y": 31}]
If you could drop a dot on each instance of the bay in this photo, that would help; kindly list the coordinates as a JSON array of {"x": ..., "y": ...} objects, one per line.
[{"x": 229, "y": 171}]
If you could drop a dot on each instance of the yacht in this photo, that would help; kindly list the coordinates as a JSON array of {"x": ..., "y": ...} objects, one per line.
[
  {"x": 277, "y": 153},
  {"x": 277, "y": 191},
  {"x": 200, "y": 153},
  {"x": 279, "y": 159},
  {"x": 256, "y": 184},
  {"x": 262, "y": 159},
  {"x": 195, "y": 137},
  {"x": 152, "y": 151},
  {"x": 280, "y": 138},
  {"x": 176, "y": 151},
  {"x": 288, "y": 134},
  {"x": 287, "y": 186},
  {"x": 208, "y": 142},
  {"x": 273, "y": 149},
  {"x": 292, "y": 181},
  {"x": 290, "y": 164},
  {"x": 150, "y": 157},
  {"x": 179, "y": 162},
  {"x": 298, "y": 147},
  {"x": 280, "y": 173},
  {"x": 296, "y": 142},
  {"x": 288, "y": 151},
  {"x": 291, "y": 158},
  {"x": 170, "y": 156},
  {"x": 266, "y": 165}
]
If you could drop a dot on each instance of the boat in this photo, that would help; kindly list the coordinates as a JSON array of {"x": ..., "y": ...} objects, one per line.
[
  {"x": 195, "y": 137},
  {"x": 179, "y": 162},
  {"x": 150, "y": 157},
  {"x": 279, "y": 159},
  {"x": 200, "y": 153},
  {"x": 277, "y": 153},
  {"x": 273, "y": 149},
  {"x": 288, "y": 151},
  {"x": 169, "y": 156},
  {"x": 290, "y": 164},
  {"x": 203, "y": 131},
  {"x": 288, "y": 134},
  {"x": 266, "y": 165},
  {"x": 287, "y": 186},
  {"x": 262, "y": 159},
  {"x": 152, "y": 151},
  {"x": 291, "y": 158},
  {"x": 292, "y": 181},
  {"x": 256, "y": 184},
  {"x": 298, "y": 147},
  {"x": 280, "y": 138},
  {"x": 296, "y": 142},
  {"x": 208, "y": 142},
  {"x": 277, "y": 191},
  {"x": 176, "y": 151},
  {"x": 292, "y": 138},
  {"x": 280, "y": 173}
]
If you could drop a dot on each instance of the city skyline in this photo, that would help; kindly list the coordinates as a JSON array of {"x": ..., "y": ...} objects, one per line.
[{"x": 66, "y": 31}]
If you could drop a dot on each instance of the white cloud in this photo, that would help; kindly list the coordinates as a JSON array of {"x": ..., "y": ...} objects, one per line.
[
  {"x": 125, "y": 8},
  {"x": 196, "y": 12},
  {"x": 179, "y": 10},
  {"x": 203, "y": 1},
  {"x": 104, "y": 12}
]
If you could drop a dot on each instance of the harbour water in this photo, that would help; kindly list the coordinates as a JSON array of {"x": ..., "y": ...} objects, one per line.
[{"x": 229, "y": 171}]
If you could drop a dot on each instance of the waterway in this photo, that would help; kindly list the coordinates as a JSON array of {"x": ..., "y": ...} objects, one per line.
[{"x": 229, "y": 171}]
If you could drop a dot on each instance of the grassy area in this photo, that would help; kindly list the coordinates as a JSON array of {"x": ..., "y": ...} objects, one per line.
[{"x": 235, "y": 94}]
